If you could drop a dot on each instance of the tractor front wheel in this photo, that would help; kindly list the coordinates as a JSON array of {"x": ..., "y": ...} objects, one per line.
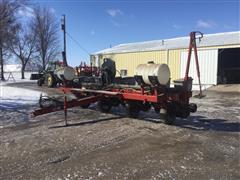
[{"x": 51, "y": 82}]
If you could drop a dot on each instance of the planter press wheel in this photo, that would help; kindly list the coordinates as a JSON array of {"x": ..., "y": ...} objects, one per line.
[
  {"x": 132, "y": 110},
  {"x": 168, "y": 116},
  {"x": 104, "y": 106}
]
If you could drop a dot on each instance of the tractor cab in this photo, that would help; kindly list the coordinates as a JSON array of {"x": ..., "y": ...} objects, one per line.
[{"x": 53, "y": 65}]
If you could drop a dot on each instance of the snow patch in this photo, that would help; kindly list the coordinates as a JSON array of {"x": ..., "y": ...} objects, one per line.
[{"x": 13, "y": 97}]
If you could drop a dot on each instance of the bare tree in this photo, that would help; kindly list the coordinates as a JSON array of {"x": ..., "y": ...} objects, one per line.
[
  {"x": 46, "y": 30},
  {"x": 8, "y": 26},
  {"x": 24, "y": 47}
]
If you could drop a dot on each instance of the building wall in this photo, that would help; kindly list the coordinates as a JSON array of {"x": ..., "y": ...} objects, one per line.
[
  {"x": 208, "y": 65},
  {"x": 174, "y": 63},
  {"x": 129, "y": 61}
]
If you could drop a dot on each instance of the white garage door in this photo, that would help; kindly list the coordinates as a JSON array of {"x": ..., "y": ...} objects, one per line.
[{"x": 208, "y": 63}]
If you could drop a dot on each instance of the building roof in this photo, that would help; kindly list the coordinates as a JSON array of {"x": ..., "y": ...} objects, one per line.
[{"x": 219, "y": 39}]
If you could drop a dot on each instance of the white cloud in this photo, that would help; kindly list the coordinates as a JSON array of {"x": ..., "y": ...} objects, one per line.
[
  {"x": 26, "y": 11},
  {"x": 114, "y": 12},
  {"x": 116, "y": 16},
  {"x": 206, "y": 24}
]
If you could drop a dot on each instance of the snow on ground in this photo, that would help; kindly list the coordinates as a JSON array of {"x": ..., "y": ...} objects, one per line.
[
  {"x": 13, "y": 97},
  {"x": 16, "y": 104}
]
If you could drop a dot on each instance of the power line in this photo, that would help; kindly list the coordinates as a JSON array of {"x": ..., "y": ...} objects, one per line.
[{"x": 86, "y": 51}]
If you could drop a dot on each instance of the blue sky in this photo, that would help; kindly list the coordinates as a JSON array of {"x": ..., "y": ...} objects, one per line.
[{"x": 100, "y": 24}]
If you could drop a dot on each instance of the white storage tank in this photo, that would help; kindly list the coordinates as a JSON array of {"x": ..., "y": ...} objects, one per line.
[
  {"x": 160, "y": 72},
  {"x": 68, "y": 73}
]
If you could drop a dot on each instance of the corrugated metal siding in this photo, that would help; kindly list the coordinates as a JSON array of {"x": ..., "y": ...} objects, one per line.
[
  {"x": 174, "y": 63},
  {"x": 208, "y": 63}
]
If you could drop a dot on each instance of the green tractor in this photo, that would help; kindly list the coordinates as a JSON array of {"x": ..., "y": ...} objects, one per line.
[{"x": 55, "y": 73}]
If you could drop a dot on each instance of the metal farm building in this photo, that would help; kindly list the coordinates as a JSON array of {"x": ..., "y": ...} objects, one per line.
[{"x": 219, "y": 57}]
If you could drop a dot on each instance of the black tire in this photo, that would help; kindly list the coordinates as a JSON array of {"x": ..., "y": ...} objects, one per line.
[
  {"x": 169, "y": 119},
  {"x": 192, "y": 107},
  {"x": 167, "y": 116},
  {"x": 104, "y": 106},
  {"x": 132, "y": 110}
]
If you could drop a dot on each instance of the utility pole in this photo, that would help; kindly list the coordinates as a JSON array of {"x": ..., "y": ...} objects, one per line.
[{"x": 64, "y": 54}]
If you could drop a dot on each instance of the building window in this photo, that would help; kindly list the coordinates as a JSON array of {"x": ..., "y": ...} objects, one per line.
[{"x": 123, "y": 72}]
